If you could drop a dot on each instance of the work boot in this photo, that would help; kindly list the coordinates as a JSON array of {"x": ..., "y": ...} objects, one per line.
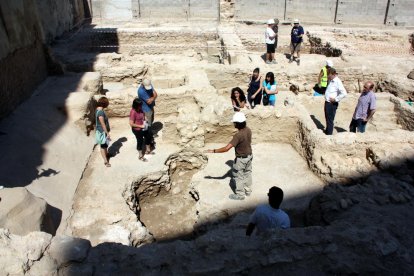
[{"x": 236, "y": 197}]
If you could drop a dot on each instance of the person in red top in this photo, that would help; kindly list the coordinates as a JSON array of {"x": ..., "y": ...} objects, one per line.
[{"x": 139, "y": 128}]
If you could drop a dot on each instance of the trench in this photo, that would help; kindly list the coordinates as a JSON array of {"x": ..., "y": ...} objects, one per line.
[
  {"x": 167, "y": 207},
  {"x": 171, "y": 203}
]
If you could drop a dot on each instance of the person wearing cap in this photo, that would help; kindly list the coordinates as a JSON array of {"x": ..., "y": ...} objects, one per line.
[
  {"x": 365, "y": 109},
  {"x": 242, "y": 166},
  {"x": 269, "y": 216},
  {"x": 270, "y": 42},
  {"x": 335, "y": 92},
  {"x": 323, "y": 77},
  {"x": 296, "y": 38},
  {"x": 147, "y": 94}
]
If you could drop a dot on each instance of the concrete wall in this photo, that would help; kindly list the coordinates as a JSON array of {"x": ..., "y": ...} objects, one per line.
[
  {"x": 155, "y": 10},
  {"x": 25, "y": 26},
  {"x": 377, "y": 12}
]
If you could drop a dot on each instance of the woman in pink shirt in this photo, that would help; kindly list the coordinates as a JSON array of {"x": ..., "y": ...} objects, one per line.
[{"x": 139, "y": 128}]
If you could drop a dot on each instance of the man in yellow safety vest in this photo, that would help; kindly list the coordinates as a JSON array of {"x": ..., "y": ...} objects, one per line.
[{"x": 323, "y": 77}]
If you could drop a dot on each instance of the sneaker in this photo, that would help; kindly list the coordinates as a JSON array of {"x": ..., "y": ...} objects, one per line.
[
  {"x": 268, "y": 62},
  {"x": 236, "y": 197},
  {"x": 298, "y": 61},
  {"x": 290, "y": 60},
  {"x": 248, "y": 194},
  {"x": 274, "y": 61}
]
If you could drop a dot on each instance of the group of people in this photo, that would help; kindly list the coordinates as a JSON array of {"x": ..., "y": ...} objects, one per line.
[
  {"x": 271, "y": 39},
  {"x": 266, "y": 216},
  {"x": 331, "y": 87},
  {"x": 141, "y": 118},
  {"x": 258, "y": 92}
]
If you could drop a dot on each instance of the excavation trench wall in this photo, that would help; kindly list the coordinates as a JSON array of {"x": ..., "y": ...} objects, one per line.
[
  {"x": 353, "y": 79},
  {"x": 146, "y": 40},
  {"x": 26, "y": 27}
]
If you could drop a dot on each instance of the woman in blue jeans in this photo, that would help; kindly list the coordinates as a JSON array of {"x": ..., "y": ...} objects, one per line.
[{"x": 270, "y": 88}]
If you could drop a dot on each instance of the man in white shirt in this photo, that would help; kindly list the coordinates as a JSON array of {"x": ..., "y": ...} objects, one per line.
[
  {"x": 335, "y": 92},
  {"x": 269, "y": 216},
  {"x": 270, "y": 36}
]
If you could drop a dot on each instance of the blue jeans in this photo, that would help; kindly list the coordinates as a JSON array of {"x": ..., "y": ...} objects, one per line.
[
  {"x": 330, "y": 112},
  {"x": 357, "y": 124}
]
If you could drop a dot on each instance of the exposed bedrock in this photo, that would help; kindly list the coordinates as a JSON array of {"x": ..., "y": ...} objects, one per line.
[{"x": 21, "y": 212}]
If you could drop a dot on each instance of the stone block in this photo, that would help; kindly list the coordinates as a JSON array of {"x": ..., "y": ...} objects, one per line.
[
  {"x": 21, "y": 212},
  {"x": 91, "y": 82}
]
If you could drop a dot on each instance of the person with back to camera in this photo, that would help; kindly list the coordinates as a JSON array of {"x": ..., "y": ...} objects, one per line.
[
  {"x": 102, "y": 129},
  {"x": 296, "y": 38},
  {"x": 269, "y": 216},
  {"x": 270, "y": 88},
  {"x": 147, "y": 94},
  {"x": 242, "y": 166},
  {"x": 365, "y": 109},
  {"x": 139, "y": 128},
  {"x": 270, "y": 42},
  {"x": 254, "y": 91},
  {"x": 238, "y": 99}
]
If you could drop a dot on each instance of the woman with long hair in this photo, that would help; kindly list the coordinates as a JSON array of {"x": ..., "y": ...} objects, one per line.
[
  {"x": 270, "y": 88},
  {"x": 254, "y": 92},
  {"x": 139, "y": 128},
  {"x": 102, "y": 129},
  {"x": 238, "y": 99}
]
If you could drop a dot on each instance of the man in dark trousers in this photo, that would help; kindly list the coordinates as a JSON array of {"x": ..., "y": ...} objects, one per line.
[
  {"x": 335, "y": 92},
  {"x": 269, "y": 216},
  {"x": 242, "y": 166},
  {"x": 296, "y": 38},
  {"x": 365, "y": 109}
]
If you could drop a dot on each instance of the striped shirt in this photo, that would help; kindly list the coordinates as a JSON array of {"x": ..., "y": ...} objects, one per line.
[{"x": 366, "y": 102}]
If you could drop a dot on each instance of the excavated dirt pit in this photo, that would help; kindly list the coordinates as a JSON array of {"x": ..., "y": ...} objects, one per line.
[{"x": 190, "y": 196}]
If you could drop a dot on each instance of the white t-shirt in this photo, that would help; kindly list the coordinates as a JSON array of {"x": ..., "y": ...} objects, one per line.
[
  {"x": 269, "y": 33},
  {"x": 265, "y": 217}
]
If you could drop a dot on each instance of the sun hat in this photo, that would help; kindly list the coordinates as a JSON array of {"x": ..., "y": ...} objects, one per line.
[
  {"x": 270, "y": 21},
  {"x": 329, "y": 63},
  {"x": 296, "y": 21},
  {"x": 147, "y": 84},
  {"x": 239, "y": 117}
]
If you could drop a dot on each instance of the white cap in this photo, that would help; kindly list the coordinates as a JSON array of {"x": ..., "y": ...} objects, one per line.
[
  {"x": 270, "y": 21},
  {"x": 296, "y": 21},
  {"x": 147, "y": 84},
  {"x": 329, "y": 63},
  {"x": 239, "y": 117}
]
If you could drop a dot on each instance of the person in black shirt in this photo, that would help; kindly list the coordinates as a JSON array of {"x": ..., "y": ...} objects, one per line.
[{"x": 296, "y": 38}]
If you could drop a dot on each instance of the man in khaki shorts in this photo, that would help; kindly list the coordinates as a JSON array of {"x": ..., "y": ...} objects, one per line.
[
  {"x": 242, "y": 166},
  {"x": 296, "y": 38}
]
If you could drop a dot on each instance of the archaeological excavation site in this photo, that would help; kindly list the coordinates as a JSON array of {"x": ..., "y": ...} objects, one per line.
[{"x": 65, "y": 210}]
